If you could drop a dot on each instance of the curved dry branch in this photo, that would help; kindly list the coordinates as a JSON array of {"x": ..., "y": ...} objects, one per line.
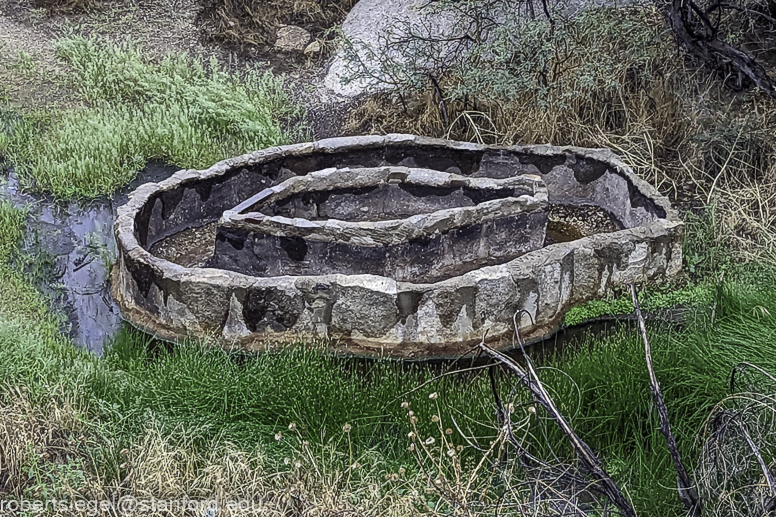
[
  {"x": 531, "y": 381},
  {"x": 687, "y": 491},
  {"x": 710, "y": 49}
]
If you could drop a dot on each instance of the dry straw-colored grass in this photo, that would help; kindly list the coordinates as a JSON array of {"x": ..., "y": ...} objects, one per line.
[
  {"x": 305, "y": 483},
  {"x": 253, "y": 23},
  {"x": 46, "y": 452},
  {"x": 33, "y": 435},
  {"x": 680, "y": 128}
]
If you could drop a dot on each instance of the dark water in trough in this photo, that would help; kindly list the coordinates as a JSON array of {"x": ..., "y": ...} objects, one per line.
[{"x": 69, "y": 245}]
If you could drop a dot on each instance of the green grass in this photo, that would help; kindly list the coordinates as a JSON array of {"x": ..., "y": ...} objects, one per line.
[
  {"x": 247, "y": 399},
  {"x": 691, "y": 295},
  {"x": 603, "y": 388},
  {"x": 211, "y": 396},
  {"x": 610, "y": 390},
  {"x": 180, "y": 110}
]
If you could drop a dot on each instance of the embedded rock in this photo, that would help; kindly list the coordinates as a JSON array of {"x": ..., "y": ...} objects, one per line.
[{"x": 292, "y": 39}]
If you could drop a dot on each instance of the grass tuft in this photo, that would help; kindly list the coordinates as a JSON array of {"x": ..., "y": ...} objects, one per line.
[{"x": 179, "y": 110}]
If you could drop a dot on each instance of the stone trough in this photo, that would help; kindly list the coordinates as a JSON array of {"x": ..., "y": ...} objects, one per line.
[{"x": 395, "y": 245}]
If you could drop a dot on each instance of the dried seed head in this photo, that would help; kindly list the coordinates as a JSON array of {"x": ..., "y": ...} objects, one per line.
[
  {"x": 435, "y": 418},
  {"x": 405, "y": 405},
  {"x": 434, "y": 396},
  {"x": 430, "y": 440},
  {"x": 292, "y": 426},
  {"x": 278, "y": 437},
  {"x": 346, "y": 428}
]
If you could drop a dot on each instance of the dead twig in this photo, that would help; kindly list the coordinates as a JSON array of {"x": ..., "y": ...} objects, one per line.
[
  {"x": 530, "y": 380},
  {"x": 709, "y": 48},
  {"x": 687, "y": 491}
]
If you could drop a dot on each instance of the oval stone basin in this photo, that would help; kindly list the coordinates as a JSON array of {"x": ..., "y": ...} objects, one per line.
[{"x": 393, "y": 245}]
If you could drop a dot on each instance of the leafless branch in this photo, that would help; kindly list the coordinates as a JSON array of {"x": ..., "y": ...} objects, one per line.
[
  {"x": 531, "y": 381},
  {"x": 687, "y": 492}
]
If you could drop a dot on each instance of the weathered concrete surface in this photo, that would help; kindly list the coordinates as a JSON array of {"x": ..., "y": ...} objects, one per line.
[
  {"x": 416, "y": 225},
  {"x": 376, "y": 314}
]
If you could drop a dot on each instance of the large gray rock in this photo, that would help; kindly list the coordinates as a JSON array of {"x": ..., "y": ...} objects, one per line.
[{"x": 374, "y": 28}]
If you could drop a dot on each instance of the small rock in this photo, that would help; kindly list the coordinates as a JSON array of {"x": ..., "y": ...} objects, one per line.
[
  {"x": 292, "y": 39},
  {"x": 313, "y": 48}
]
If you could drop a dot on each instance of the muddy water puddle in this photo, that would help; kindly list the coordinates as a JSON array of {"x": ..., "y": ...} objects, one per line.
[{"x": 67, "y": 251}]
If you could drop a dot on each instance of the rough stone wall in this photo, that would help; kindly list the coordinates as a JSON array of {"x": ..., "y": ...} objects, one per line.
[
  {"x": 414, "y": 225},
  {"x": 375, "y": 314}
]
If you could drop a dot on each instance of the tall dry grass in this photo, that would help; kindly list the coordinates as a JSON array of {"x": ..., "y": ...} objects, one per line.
[
  {"x": 253, "y": 23},
  {"x": 49, "y": 451},
  {"x": 34, "y": 438},
  {"x": 676, "y": 124}
]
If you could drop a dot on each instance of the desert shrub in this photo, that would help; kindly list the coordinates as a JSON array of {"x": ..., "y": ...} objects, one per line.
[
  {"x": 574, "y": 81},
  {"x": 253, "y": 23},
  {"x": 605, "y": 78}
]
